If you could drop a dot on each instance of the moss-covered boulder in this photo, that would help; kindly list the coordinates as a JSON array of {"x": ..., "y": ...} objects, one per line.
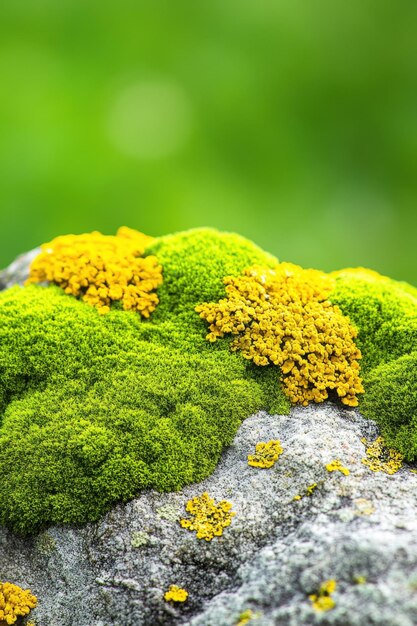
[
  {"x": 100, "y": 403},
  {"x": 95, "y": 408}
]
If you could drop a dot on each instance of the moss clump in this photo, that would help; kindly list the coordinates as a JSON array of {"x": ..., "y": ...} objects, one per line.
[
  {"x": 96, "y": 408},
  {"x": 391, "y": 399},
  {"x": 194, "y": 265},
  {"x": 383, "y": 310},
  {"x": 385, "y": 313}
]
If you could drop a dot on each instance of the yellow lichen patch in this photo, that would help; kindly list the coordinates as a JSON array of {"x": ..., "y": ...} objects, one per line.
[
  {"x": 364, "y": 507},
  {"x": 282, "y": 316},
  {"x": 336, "y": 466},
  {"x": 210, "y": 518},
  {"x": 175, "y": 594},
  {"x": 246, "y": 617},
  {"x": 359, "y": 580},
  {"x": 322, "y": 600},
  {"x": 379, "y": 458},
  {"x": 15, "y": 602},
  {"x": 102, "y": 269},
  {"x": 308, "y": 492},
  {"x": 266, "y": 454}
]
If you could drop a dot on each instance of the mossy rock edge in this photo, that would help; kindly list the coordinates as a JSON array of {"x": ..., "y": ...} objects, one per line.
[{"x": 96, "y": 408}]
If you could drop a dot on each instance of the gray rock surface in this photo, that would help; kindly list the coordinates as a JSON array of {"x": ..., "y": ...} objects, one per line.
[
  {"x": 18, "y": 271},
  {"x": 277, "y": 551}
]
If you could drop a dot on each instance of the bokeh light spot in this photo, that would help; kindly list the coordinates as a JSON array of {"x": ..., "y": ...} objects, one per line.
[{"x": 150, "y": 120}]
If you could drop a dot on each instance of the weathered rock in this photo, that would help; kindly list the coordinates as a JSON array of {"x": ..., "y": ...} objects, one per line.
[
  {"x": 18, "y": 271},
  {"x": 360, "y": 530}
]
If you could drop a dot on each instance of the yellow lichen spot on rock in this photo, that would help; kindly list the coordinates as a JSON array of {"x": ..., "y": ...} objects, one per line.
[
  {"x": 102, "y": 269},
  {"x": 15, "y": 602},
  {"x": 379, "y": 458},
  {"x": 336, "y": 466},
  {"x": 266, "y": 454},
  {"x": 175, "y": 594},
  {"x": 209, "y": 519},
  {"x": 322, "y": 600},
  {"x": 359, "y": 580},
  {"x": 364, "y": 507},
  {"x": 246, "y": 617},
  {"x": 282, "y": 316},
  {"x": 308, "y": 491}
]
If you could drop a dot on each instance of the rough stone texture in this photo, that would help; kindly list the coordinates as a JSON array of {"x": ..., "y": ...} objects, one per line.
[
  {"x": 18, "y": 271},
  {"x": 276, "y": 552}
]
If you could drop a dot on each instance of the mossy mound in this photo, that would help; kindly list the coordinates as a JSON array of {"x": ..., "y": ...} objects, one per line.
[
  {"x": 385, "y": 313},
  {"x": 391, "y": 397},
  {"x": 95, "y": 408}
]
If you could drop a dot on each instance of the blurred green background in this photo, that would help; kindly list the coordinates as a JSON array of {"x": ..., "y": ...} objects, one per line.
[{"x": 293, "y": 123}]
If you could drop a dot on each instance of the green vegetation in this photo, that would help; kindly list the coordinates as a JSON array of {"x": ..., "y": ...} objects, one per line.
[
  {"x": 97, "y": 407},
  {"x": 391, "y": 399},
  {"x": 385, "y": 313}
]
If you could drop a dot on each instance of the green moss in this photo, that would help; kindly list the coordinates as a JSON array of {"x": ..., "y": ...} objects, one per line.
[
  {"x": 383, "y": 310},
  {"x": 385, "y": 313},
  {"x": 194, "y": 265},
  {"x": 94, "y": 409},
  {"x": 97, "y": 408},
  {"x": 391, "y": 399}
]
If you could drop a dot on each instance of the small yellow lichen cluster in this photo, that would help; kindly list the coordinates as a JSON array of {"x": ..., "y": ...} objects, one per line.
[
  {"x": 363, "y": 507},
  {"x": 282, "y": 316},
  {"x": 209, "y": 518},
  {"x": 322, "y": 600},
  {"x": 360, "y": 580},
  {"x": 266, "y": 454},
  {"x": 308, "y": 492},
  {"x": 246, "y": 617},
  {"x": 336, "y": 466},
  {"x": 102, "y": 269},
  {"x": 175, "y": 594},
  {"x": 380, "y": 458},
  {"x": 14, "y": 602}
]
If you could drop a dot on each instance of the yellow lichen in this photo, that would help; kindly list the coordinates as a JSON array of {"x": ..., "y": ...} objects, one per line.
[
  {"x": 102, "y": 269},
  {"x": 379, "y": 458},
  {"x": 175, "y": 594},
  {"x": 266, "y": 454},
  {"x": 364, "y": 507},
  {"x": 308, "y": 492},
  {"x": 359, "y": 580},
  {"x": 15, "y": 602},
  {"x": 209, "y": 518},
  {"x": 322, "y": 600},
  {"x": 282, "y": 316},
  {"x": 336, "y": 466},
  {"x": 246, "y": 617}
]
